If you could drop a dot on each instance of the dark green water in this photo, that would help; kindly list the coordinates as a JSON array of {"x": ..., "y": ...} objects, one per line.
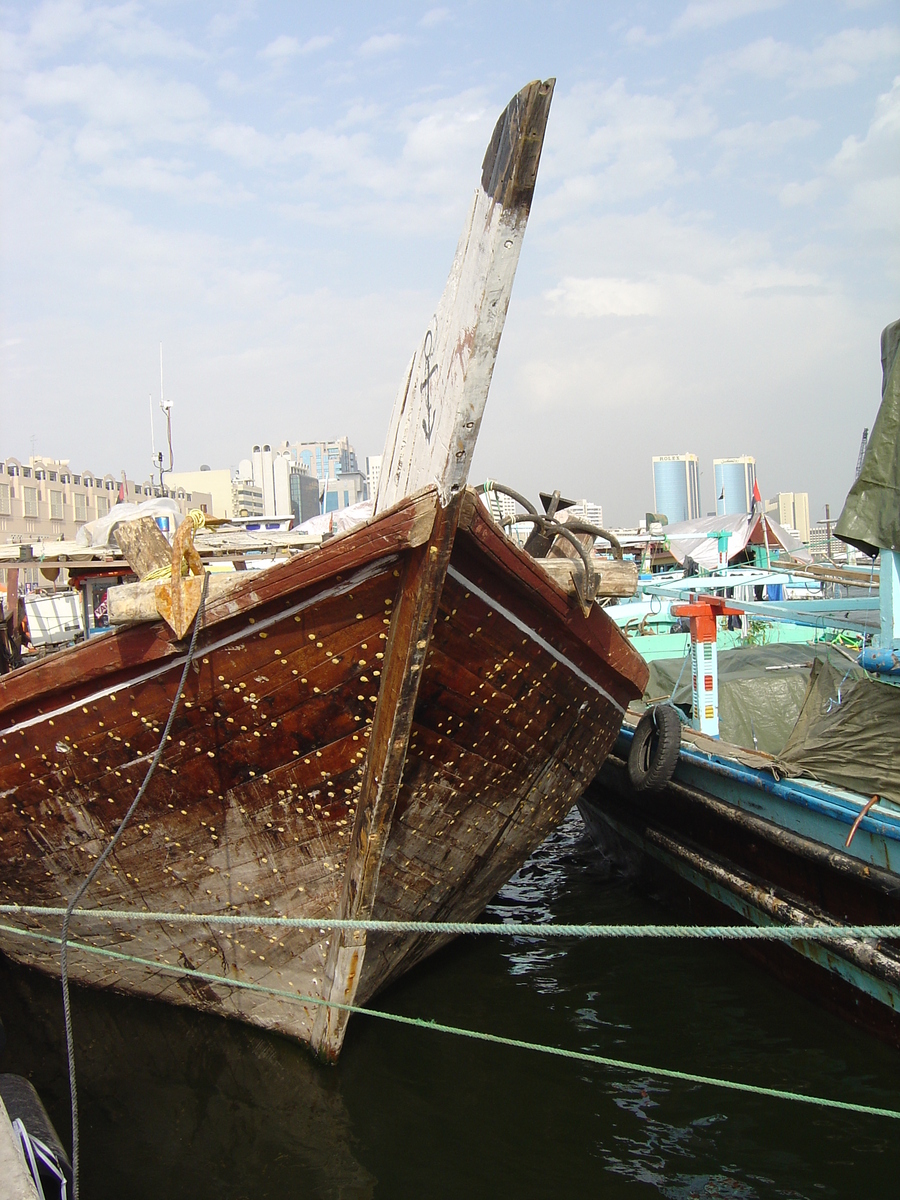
[{"x": 179, "y": 1105}]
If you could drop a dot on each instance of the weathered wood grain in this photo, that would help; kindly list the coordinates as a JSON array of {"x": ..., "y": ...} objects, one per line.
[
  {"x": 135, "y": 603},
  {"x": 438, "y": 410},
  {"x": 105, "y": 656},
  {"x": 143, "y": 545},
  {"x": 614, "y": 578},
  {"x": 411, "y": 628},
  {"x": 256, "y": 806},
  {"x": 592, "y": 639}
]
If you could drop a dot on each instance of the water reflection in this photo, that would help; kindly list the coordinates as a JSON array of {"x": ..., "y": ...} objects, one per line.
[{"x": 183, "y": 1105}]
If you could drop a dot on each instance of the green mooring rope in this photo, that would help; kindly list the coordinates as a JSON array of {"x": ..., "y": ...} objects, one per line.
[
  {"x": 475, "y": 1034},
  {"x": 737, "y": 933}
]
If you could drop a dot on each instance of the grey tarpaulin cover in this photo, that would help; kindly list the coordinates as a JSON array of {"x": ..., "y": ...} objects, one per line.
[
  {"x": 847, "y": 734},
  {"x": 871, "y": 516},
  {"x": 761, "y": 689}
]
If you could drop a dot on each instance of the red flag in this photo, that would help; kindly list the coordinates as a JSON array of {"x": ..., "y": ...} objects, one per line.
[{"x": 756, "y": 496}]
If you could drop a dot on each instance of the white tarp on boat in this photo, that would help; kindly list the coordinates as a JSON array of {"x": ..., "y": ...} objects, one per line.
[
  {"x": 99, "y": 532},
  {"x": 339, "y": 520},
  {"x": 696, "y": 539}
]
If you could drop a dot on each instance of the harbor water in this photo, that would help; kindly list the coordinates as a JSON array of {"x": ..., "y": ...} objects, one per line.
[{"x": 176, "y": 1104}]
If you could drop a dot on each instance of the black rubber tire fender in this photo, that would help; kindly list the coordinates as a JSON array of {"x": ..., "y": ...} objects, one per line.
[{"x": 654, "y": 749}]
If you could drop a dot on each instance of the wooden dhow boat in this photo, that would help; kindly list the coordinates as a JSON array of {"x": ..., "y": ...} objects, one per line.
[{"x": 384, "y": 726}]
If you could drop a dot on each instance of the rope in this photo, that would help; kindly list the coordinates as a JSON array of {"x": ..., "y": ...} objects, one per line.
[
  {"x": 70, "y": 907},
  {"x": 734, "y": 933},
  {"x": 481, "y": 1036},
  {"x": 198, "y": 520}
]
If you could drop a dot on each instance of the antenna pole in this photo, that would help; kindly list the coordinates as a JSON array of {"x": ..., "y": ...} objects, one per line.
[{"x": 167, "y": 409}]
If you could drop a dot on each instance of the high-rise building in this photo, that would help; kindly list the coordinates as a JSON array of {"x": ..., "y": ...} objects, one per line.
[
  {"x": 324, "y": 460},
  {"x": 791, "y": 509},
  {"x": 801, "y": 515},
  {"x": 216, "y": 483},
  {"x": 341, "y": 492},
  {"x": 501, "y": 506},
  {"x": 676, "y": 486},
  {"x": 592, "y": 513},
  {"x": 734, "y": 478},
  {"x": 373, "y": 474},
  {"x": 287, "y": 485}
]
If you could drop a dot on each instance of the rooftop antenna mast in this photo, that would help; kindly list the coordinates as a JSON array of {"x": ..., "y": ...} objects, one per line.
[
  {"x": 862, "y": 451},
  {"x": 166, "y": 406}
]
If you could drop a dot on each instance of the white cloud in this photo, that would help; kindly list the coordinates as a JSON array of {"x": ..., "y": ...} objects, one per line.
[
  {"x": 651, "y": 298},
  {"x": 762, "y": 140},
  {"x": 224, "y": 23},
  {"x": 837, "y": 59},
  {"x": 286, "y": 47},
  {"x": 120, "y": 28},
  {"x": 870, "y": 168},
  {"x": 603, "y": 298},
  {"x": 435, "y": 16},
  {"x": 707, "y": 14},
  {"x": 879, "y": 150},
  {"x": 723, "y": 345},
  {"x": 610, "y": 145},
  {"x": 381, "y": 43},
  {"x": 143, "y": 103},
  {"x": 766, "y": 138},
  {"x": 168, "y": 178},
  {"x": 794, "y": 194},
  {"x": 701, "y": 15}
]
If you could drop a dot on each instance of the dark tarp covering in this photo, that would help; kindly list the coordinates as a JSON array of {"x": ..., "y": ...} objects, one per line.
[
  {"x": 761, "y": 689},
  {"x": 847, "y": 734},
  {"x": 871, "y": 516}
]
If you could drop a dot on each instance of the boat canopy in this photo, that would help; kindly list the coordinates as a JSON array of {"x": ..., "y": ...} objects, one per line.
[
  {"x": 762, "y": 689},
  {"x": 696, "y": 539},
  {"x": 871, "y": 516},
  {"x": 846, "y": 733}
]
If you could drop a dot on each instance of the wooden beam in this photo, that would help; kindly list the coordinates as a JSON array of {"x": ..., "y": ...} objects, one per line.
[
  {"x": 614, "y": 578},
  {"x": 407, "y": 646},
  {"x": 143, "y": 545},
  {"x": 438, "y": 410}
]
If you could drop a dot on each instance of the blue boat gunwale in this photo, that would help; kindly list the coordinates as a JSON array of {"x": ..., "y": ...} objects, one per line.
[{"x": 836, "y": 804}]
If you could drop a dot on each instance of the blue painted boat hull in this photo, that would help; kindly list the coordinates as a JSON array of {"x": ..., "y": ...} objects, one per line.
[{"x": 744, "y": 847}]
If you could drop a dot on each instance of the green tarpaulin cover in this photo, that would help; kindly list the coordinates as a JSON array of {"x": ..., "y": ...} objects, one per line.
[
  {"x": 847, "y": 734},
  {"x": 871, "y": 516},
  {"x": 761, "y": 689}
]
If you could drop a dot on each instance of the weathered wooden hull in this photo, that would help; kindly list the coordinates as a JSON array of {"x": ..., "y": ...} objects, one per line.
[
  {"x": 744, "y": 848},
  {"x": 253, "y": 809}
]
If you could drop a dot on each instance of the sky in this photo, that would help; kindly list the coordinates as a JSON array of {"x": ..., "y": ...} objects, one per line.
[{"x": 274, "y": 192}]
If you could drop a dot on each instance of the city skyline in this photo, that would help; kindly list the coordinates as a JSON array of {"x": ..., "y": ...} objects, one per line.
[
  {"x": 373, "y": 466},
  {"x": 275, "y": 194}
]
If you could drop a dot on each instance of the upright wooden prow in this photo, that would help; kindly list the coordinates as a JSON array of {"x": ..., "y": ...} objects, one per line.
[
  {"x": 433, "y": 430},
  {"x": 438, "y": 411}
]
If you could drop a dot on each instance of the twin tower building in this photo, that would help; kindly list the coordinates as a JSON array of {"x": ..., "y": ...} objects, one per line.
[{"x": 676, "y": 491}]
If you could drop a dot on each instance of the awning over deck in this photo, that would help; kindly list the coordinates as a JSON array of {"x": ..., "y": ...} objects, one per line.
[{"x": 694, "y": 539}]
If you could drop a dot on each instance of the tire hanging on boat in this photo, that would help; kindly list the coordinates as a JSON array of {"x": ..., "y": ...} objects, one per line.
[{"x": 654, "y": 749}]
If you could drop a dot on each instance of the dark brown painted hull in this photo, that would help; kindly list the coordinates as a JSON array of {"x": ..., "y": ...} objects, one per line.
[
  {"x": 672, "y": 829},
  {"x": 254, "y": 805}
]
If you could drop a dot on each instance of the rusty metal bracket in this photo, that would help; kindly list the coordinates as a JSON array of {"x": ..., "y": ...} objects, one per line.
[{"x": 178, "y": 600}]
